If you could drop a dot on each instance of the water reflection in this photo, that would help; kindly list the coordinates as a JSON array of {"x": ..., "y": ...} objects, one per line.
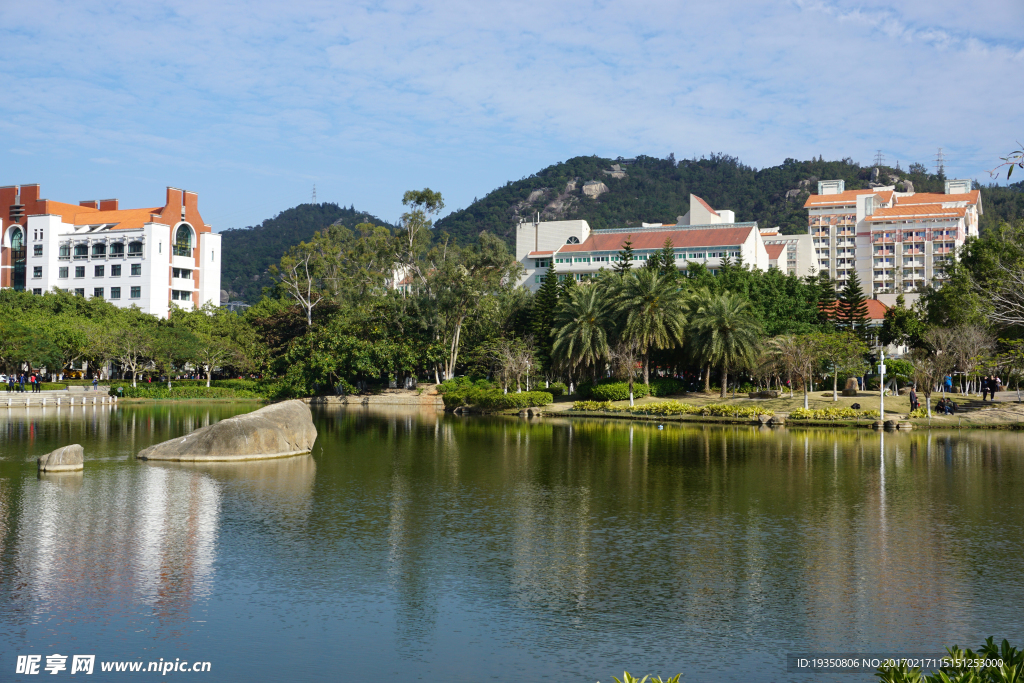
[{"x": 452, "y": 548}]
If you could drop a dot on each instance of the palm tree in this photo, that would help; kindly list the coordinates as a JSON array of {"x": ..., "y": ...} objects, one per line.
[
  {"x": 727, "y": 333},
  {"x": 581, "y": 329},
  {"x": 653, "y": 312}
]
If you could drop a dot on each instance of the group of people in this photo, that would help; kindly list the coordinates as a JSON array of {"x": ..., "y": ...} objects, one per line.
[
  {"x": 34, "y": 382},
  {"x": 945, "y": 406},
  {"x": 989, "y": 386}
]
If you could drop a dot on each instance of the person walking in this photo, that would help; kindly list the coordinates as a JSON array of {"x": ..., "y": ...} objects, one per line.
[
  {"x": 914, "y": 405},
  {"x": 21, "y": 382},
  {"x": 10, "y": 383}
]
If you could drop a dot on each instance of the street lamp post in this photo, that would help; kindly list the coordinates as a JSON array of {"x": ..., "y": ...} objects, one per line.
[{"x": 881, "y": 383}]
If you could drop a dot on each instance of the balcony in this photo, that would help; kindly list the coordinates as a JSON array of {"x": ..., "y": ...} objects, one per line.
[{"x": 178, "y": 251}]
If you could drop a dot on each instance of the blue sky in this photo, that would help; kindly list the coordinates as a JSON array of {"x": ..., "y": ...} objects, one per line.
[{"x": 251, "y": 103}]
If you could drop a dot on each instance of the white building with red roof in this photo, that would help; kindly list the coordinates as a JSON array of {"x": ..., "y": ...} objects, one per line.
[
  {"x": 151, "y": 257},
  {"x": 897, "y": 241},
  {"x": 704, "y": 235}
]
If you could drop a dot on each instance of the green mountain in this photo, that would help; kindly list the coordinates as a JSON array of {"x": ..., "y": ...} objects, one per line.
[
  {"x": 610, "y": 193},
  {"x": 249, "y": 252}
]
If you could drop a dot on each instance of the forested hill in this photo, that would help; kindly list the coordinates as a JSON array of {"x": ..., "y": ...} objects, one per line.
[
  {"x": 249, "y": 252},
  {"x": 628, "y": 193}
]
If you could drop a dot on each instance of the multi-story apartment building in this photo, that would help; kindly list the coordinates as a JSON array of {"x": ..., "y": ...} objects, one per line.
[
  {"x": 897, "y": 241},
  {"x": 792, "y": 254},
  {"x": 703, "y": 235},
  {"x": 150, "y": 257}
]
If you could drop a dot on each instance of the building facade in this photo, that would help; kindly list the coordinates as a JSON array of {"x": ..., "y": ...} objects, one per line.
[
  {"x": 703, "y": 235},
  {"x": 149, "y": 257},
  {"x": 792, "y": 254},
  {"x": 897, "y": 241}
]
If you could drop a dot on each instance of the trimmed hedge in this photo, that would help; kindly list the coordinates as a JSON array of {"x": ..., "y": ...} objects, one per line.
[
  {"x": 186, "y": 392},
  {"x": 676, "y": 408},
  {"x": 46, "y": 386},
  {"x": 667, "y": 386},
  {"x": 494, "y": 399},
  {"x": 832, "y": 414},
  {"x": 557, "y": 389},
  {"x": 612, "y": 391}
]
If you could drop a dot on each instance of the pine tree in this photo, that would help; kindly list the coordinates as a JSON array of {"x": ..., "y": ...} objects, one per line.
[
  {"x": 853, "y": 306},
  {"x": 667, "y": 262},
  {"x": 625, "y": 258},
  {"x": 826, "y": 299},
  {"x": 542, "y": 317}
]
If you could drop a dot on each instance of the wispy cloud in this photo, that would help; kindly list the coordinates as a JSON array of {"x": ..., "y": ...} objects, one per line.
[{"x": 244, "y": 101}]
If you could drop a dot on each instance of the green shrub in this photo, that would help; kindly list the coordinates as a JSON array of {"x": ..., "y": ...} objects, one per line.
[
  {"x": 667, "y": 386},
  {"x": 179, "y": 392},
  {"x": 832, "y": 414},
  {"x": 557, "y": 389},
  {"x": 592, "y": 405},
  {"x": 454, "y": 384},
  {"x": 992, "y": 664},
  {"x": 614, "y": 391},
  {"x": 676, "y": 408},
  {"x": 920, "y": 412},
  {"x": 493, "y": 399}
]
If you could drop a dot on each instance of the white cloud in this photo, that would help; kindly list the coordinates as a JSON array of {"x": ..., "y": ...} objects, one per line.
[{"x": 249, "y": 99}]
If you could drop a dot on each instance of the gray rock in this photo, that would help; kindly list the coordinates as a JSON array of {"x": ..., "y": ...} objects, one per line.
[
  {"x": 65, "y": 459},
  {"x": 276, "y": 431}
]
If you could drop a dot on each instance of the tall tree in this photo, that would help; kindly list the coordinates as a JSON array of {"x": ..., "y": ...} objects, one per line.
[
  {"x": 581, "y": 330},
  {"x": 625, "y": 262},
  {"x": 853, "y": 307},
  {"x": 839, "y": 352},
  {"x": 542, "y": 317},
  {"x": 652, "y": 308},
  {"x": 728, "y": 333},
  {"x": 827, "y": 300}
]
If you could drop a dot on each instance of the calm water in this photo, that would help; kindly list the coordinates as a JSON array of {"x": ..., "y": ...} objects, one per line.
[{"x": 414, "y": 546}]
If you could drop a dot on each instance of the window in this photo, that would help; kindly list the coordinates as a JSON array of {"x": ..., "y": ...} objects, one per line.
[
  {"x": 37, "y": 292},
  {"x": 97, "y": 271},
  {"x": 211, "y": 257},
  {"x": 183, "y": 240},
  {"x": 136, "y": 292},
  {"x": 117, "y": 249},
  {"x": 62, "y": 271},
  {"x": 79, "y": 271},
  {"x": 115, "y": 270},
  {"x": 115, "y": 292},
  {"x": 37, "y": 250},
  {"x": 64, "y": 252},
  {"x": 181, "y": 295},
  {"x": 573, "y": 240},
  {"x": 186, "y": 274},
  {"x": 136, "y": 269},
  {"x": 79, "y": 292},
  {"x": 81, "y": 251},
  {"x": 99, "y": 250},
  {"x": 37, "y": 271},
  {"x": 98, "y": 291},
  {"x": 135, "y": 248}
]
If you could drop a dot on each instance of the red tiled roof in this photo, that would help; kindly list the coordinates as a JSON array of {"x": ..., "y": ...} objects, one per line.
[
  {"x": 848, "y": 197},
  {"x": 706, "y": 205},
  {"x": 916, "y": 211},
  {"x": 85, "y": 215},
  {"x": 971, "y": 197},
  {"x": 655, "y": 239},
  {"x": 774, "y": 250},
  {"x": 876, "y": 309}
]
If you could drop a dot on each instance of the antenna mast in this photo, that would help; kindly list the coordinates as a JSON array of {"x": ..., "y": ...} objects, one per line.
[
  {"x": 314, "y": 193},
  {"x": 879, "y": 158},
  {"x": 940, "y": 163}
]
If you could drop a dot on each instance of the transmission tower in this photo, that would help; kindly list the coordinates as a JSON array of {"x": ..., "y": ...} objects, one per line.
[
  {"x": 879, "y": 158},
  {"x": 314, "y": 193},
  {"x": 940, "y": 163}
]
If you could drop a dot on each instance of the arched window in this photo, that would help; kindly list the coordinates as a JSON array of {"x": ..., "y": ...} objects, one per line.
[
  {"x": 573, "y": 240},
  {"x": 81, "y": 251},
  {"x": 183, "y": 240},
  {"x": 65, "y": 251},
  {"x": 135, "y": 248},
  {"x": 117, "y": 249},
  {"x": 99, "y": 250},
  {"x": 18, "y": 259}
]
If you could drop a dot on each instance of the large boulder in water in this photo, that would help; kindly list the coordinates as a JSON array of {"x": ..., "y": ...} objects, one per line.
[
  {"x": 276, "y": 431},
  {"x": 65, "y": 459}
]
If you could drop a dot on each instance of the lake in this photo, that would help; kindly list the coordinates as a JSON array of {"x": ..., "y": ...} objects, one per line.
[{"x": 418, "y": 546}]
